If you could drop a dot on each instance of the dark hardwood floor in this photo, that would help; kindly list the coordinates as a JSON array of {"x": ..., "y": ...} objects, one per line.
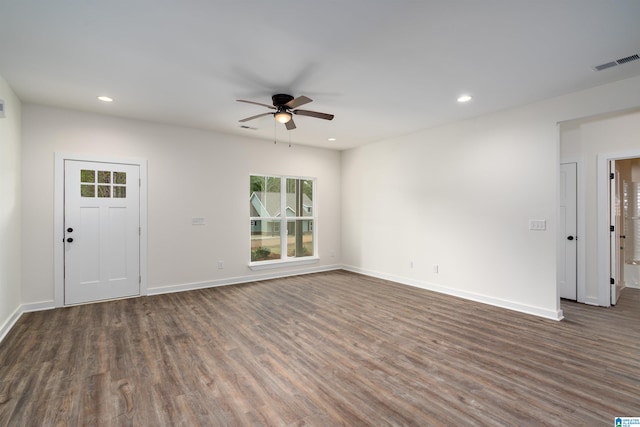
[{"x": 325, "y": 349}]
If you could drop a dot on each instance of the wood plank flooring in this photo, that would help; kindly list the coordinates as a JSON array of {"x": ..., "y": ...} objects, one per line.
[{"x": 324, "y": 349}]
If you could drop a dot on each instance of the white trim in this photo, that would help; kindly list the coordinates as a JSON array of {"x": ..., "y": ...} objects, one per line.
[
  {"x": 238, "y": 280},
  {"x": 603, "y": 242},
  {"x": 510, "y": 305},
  {"x": 58, "y": 217},
  {"x": 38, "y": 306},
  {"x": 287, "y": 262},
  {"x": 10, "y": 323}
]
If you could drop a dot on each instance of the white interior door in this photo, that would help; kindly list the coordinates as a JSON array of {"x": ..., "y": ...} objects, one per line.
[
  {"x": 567, "y": 227},
  {"x": 102, "y": 231}
]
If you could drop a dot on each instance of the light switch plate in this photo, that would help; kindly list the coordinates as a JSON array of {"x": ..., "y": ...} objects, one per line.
[
  {"x": 198, "y": 221},
  {"x": 537, "y": 224}
]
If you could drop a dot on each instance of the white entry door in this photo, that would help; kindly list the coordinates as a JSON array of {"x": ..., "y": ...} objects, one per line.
[
  {"x": 101, "y": 231},
  {"x": 567, "y": 227}
]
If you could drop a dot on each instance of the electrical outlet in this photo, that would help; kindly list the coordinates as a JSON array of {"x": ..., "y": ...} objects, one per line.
[
  {"x": 411, "y": 263},
  {"x": 435, "y": 268},
  {"x": 220, "y": 265}
]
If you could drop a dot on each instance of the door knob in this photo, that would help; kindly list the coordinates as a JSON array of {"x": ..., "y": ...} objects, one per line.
[
  {"x": 70, "y": 239},
  {"x": 570, "y": 238},
  {"x": 69, "y": 230}
]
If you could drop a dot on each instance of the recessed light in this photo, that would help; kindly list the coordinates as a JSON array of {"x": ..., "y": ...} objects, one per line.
[
  {"x": 105, "y": 99},
  {"x": 331, "y": 139},
  {"x": 464, "y": 98}
]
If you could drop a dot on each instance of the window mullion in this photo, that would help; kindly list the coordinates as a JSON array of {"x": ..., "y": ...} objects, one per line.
[{"x": 284, "y": 229}]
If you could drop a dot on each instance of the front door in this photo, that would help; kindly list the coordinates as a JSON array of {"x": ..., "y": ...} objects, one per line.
[
  {"x": 567, "y": 227},
  {"x": 101, "y": 231}
]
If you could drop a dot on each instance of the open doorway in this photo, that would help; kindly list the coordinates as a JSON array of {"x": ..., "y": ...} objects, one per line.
[
  {"x": 618, "y": 209},
  {"x": 593, "y": 143},
  {"x": 624, "y": 207}
]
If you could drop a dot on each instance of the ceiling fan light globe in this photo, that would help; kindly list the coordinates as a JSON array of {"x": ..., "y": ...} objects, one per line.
[{"x": 283, "y": 117}]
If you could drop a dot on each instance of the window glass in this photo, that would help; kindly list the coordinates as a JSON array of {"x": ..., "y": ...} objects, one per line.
[
  {"x": 87, "y": 190},
  {"x": 104, "y": 177},
  {"x": 281, "y": 217},
  {"x": 265, "y": 240},
  {"x": 106, "y": 188},
  {"x": 119, "y": 192},
  {"x": 300, "y": 238},
  {"x": 104, "y": 191},
  {"x": 87, "y": 176},
  {"x": 119, "y": 177}
]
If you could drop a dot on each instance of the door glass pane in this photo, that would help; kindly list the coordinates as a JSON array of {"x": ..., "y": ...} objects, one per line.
[
  {"x": 299, "y": 238},
  {"x": 265, "y": 240},
  {"x": 87, "y": 190},
  {"x": 119, "y": 192},
  {"x": 104, "y": 177},
  {"x": 87, "y": 176},
  {"x": 104, "y": 191},
  {"x": 119, "y": 177}
]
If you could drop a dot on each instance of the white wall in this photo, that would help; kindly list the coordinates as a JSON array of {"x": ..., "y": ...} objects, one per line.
[
  {"x": 191, "y": 173},
  {"x": 583, "y": 140},
  {"x": 10, "y": 209},
  {"x": 460, "y": 196}
]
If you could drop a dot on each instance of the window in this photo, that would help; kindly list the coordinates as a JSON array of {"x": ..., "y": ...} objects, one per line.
[
  {"x": 106, "y": 182},
  {"x": 281, "y": 215}
]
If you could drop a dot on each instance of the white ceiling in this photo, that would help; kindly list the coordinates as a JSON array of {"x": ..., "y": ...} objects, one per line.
[{"x": 384, "y": 68}]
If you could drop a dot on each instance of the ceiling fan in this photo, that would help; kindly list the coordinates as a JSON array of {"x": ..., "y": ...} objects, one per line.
[{"x": 285, "y": 106}]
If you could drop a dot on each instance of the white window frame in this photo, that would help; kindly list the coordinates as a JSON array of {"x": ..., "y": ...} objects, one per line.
[{"x": 286, "y": 260}]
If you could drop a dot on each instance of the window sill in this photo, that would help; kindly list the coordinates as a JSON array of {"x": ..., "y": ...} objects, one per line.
[{"x": 265, "y": 265}]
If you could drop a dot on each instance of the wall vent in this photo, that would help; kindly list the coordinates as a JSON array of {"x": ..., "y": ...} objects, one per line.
[
  {"x": 628, "y": 59},
  {"x": 620, "y": 61}
]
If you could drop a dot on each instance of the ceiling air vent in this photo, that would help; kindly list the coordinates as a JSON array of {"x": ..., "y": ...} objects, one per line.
[
  {"x": 628, "y": 59},
  {"x": 616, "y": 62}
]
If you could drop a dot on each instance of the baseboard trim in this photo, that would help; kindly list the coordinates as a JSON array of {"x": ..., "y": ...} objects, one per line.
[
  {"x": 38, "y": 306},
  {"x": 10, "y": 322},
  {"x": 19, "y": 311},
  {"x": 238, "y": 280},
  {"x": 536, "y": 311},
  {"x": 510, "y": 305}
]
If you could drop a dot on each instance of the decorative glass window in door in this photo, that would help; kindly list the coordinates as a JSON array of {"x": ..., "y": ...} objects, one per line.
[{"x": 103, "y": 184}]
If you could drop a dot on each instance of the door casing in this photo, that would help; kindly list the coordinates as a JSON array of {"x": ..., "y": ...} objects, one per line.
[
  {"x": 58, "y": 217},
  {"x": 604, "y": 235}
]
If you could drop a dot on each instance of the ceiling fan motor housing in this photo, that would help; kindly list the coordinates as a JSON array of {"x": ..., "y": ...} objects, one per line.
[{"x": 281, "y": 99}]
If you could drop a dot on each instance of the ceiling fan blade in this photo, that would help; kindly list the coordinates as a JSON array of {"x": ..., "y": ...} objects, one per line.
[
  {"x": 257, "y": 103},
  {"x": 290, "y": 125},
  {"x": 254, "y": 117},
  {"x": 295, "y": 103},
  {"x": 315, "y": 114}
]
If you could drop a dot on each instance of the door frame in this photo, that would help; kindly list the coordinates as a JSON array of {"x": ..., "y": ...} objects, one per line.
[
  {"x": 603, "y": 198},
  {"x": 58, "y": 217}
]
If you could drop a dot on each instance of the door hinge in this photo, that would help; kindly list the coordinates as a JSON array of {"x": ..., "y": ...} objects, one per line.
[
  {"x": 612, "y": 281},
  {"x": 139, "y": 231},
  {"x": 139, "y": 182},
  {"x": 612, "y": 228},
  {"x": 612, "y": 175},
  {"x": 139, "y": 280}
]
